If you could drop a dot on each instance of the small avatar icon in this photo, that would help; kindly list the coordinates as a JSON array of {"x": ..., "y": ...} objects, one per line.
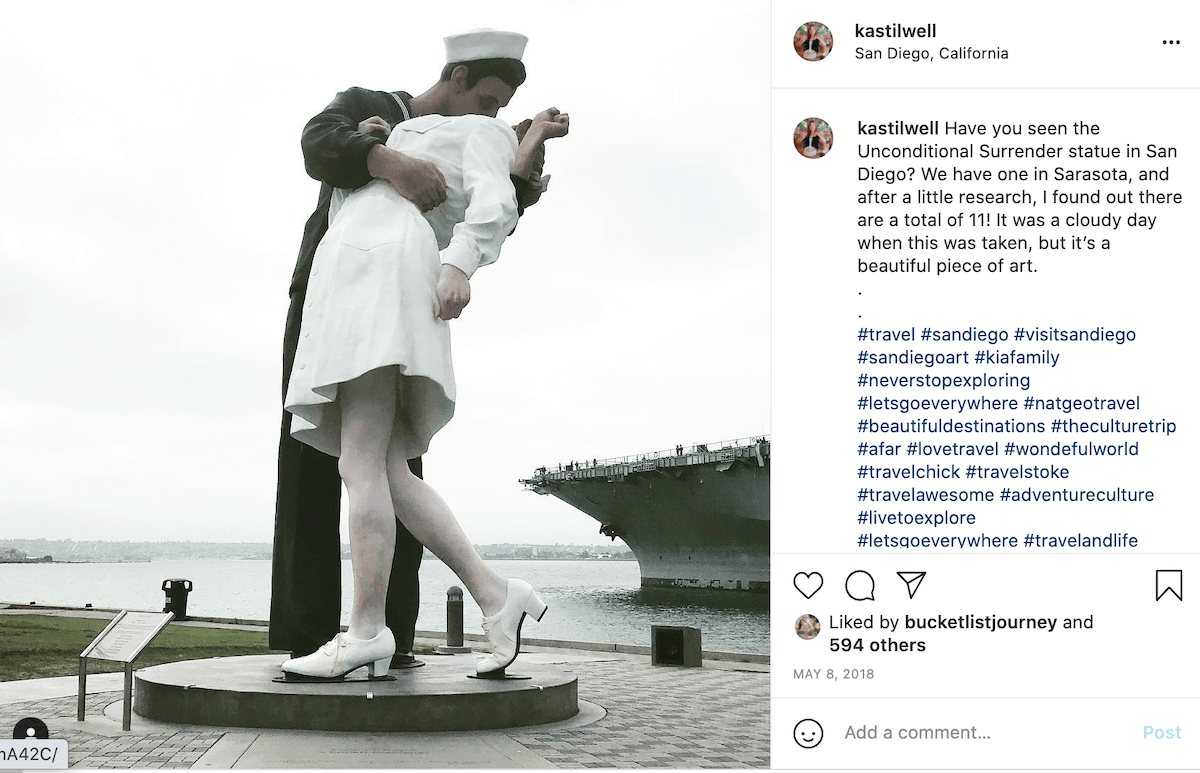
[
  {"x": 807, "y": 627},
  {"x": 813, "y": 138},
  {"x": 808, "y": 733},
  {"x": 813, "y": 41}
]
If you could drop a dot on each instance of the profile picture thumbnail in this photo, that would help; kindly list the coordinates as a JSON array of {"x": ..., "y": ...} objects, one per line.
[
  {"x": 813, "y": 41},
  {"x": 813, "y": 138},
  {"x": 807, "y": 627}
]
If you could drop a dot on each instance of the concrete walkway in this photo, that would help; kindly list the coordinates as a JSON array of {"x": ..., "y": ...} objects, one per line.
[{"x": 632, "y": 715}]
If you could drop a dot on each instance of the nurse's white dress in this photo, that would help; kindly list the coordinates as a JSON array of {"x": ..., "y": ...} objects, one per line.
[{"x": 373, "y": 284}]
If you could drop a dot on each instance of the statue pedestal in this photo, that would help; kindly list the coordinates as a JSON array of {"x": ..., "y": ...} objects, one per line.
[{"x": 239, "y": 692}]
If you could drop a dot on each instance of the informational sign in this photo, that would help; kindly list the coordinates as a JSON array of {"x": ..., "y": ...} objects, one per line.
[
  {"x": 127, "y": 635},
  {"x": 122, "y": 640}
]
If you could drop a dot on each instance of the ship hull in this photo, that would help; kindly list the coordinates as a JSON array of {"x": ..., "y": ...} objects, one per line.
[{"x": 699, "y": 520}]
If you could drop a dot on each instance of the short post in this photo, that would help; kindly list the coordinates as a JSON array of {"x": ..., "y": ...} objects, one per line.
[
  {"x": 127, "y": 711},
  {"x": 454, "y": 623},
  {"x": 82, "y": 688}
]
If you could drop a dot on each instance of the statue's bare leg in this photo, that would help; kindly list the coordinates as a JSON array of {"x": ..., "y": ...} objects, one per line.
[
  {"x": 368, "y": 405},
  {"x": 430, "y": 520}
]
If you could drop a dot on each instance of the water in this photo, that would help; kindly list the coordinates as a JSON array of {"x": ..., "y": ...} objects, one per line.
[{"x": 594, "y": 601}]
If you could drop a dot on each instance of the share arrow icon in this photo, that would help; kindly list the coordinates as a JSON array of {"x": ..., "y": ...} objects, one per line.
[{"x": 912, "y": 580}]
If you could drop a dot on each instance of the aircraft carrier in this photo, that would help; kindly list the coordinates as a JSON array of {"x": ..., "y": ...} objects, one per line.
[{"x": 695, "y": 517}]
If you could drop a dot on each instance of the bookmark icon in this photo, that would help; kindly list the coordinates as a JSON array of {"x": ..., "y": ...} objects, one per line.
[{"x": 1168, "y": 581}]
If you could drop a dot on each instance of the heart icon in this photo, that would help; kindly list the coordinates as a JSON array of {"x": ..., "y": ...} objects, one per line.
[{"x": 808, "y": 583}]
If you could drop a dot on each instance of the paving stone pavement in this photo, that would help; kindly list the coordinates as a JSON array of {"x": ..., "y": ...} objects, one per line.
[
  {"x": 661, "y": 717},
  {"x": 657, "y": 717},
  {"x": 127, "y": 750}
]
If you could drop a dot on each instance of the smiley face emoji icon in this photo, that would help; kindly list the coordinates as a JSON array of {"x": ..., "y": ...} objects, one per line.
[{"x": 808, "y": 733}]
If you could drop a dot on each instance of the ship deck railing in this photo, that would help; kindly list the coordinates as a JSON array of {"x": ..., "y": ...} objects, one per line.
[{"x": 756, "y": 448}]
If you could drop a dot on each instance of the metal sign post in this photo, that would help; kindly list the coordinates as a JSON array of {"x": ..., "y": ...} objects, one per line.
[{"x": 122, "y": 641}]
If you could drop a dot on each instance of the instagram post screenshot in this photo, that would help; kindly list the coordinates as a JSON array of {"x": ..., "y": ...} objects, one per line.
[
  {"x": 385, "y": 386},
  {"x": 399, "y": 387},
  {"x": 982, "y": 361}
]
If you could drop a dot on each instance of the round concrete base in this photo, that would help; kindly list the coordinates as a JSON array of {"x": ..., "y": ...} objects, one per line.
[{"x": 239, "y": 692}]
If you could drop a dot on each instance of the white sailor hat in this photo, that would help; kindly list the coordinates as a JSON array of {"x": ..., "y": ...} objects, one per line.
[{"x": 484, "y": 43}]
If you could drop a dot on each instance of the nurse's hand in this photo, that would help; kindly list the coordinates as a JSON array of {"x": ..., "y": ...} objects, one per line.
[
  {"x": 374, "y": 123},
  {"x": 421, "y": 182},
  {"x": 453, "y": 293}
]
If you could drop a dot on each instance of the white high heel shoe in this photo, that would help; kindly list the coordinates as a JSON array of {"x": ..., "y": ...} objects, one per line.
[
  {"x": 342, "y": 655},
  {"x": 504, "y": 628}
]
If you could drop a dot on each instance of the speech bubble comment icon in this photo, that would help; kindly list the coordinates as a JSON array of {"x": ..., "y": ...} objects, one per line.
[{"x": 860, "y": 586}]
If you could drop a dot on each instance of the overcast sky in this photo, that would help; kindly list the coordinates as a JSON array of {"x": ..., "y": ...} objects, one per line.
[{"x": 152, "y": 197}]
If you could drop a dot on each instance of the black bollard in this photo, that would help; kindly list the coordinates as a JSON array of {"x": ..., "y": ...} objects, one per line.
[
  {"x": 454, "y": 623},
  {"x": 454, "y": 616}
]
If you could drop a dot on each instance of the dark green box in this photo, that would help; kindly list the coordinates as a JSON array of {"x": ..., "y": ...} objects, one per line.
[{"x": 673, "y": 645}]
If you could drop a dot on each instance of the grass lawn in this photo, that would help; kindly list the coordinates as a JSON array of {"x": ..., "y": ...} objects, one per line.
[{"x": 35, "y": 646}]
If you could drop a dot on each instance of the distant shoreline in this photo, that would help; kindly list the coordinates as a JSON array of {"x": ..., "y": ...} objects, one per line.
[
  {"x": 428, "y": 557},
  {"x": 112, "y": 561},
  {"x": 44, "y": 551}
]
